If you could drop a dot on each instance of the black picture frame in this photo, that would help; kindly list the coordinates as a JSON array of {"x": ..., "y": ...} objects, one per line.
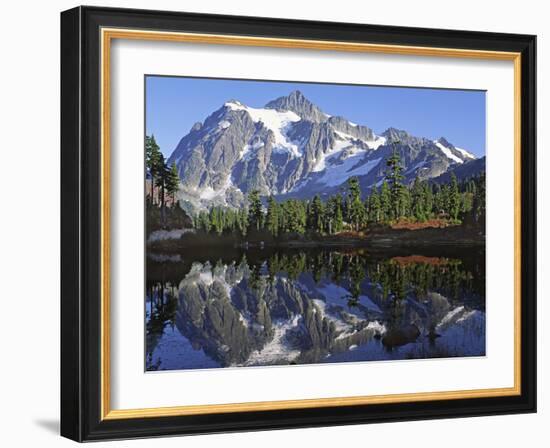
[{"x": 81, "y": 224}]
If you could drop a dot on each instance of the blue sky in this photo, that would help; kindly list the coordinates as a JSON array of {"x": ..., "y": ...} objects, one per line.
[{"x": 174, "y": 104}]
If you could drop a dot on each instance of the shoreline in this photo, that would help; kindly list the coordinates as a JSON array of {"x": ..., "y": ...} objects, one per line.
[{"x": 456, "y": 236}]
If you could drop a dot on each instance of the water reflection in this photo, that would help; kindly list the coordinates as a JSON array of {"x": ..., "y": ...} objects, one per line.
[{"x": 311, "y": 306}]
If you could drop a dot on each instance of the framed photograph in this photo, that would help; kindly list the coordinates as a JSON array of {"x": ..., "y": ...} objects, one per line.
[{"x": 275, "y": 224}]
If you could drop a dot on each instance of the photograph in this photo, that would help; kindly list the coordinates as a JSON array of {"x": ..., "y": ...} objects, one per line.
[
  {"x": 273, "y": 222},
  {"x": 292, "y": 223}
]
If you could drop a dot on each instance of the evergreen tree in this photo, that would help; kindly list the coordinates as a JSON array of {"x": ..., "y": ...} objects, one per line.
[
  {"x": 338, "y": 225},
  {"x": 162, "y": 174},
  {"x": 356, "y": 209},
  {"x": 217, "y": 220},
  {"x": 272, "y": 219},
  {"x": 328, "y": 222},
  {"x": 152, "y": 161},
  {"x": 172, "y": 182},
  {"x": 316, "y": 215},
  {"x": 479, "y": 201},
  {"x": 394, "y": 177},
  {"x": 472, "y": 188},
  {"x": 428, "y": 199},
  {"x": 419, "y": 210},
  {"x": 454, "y": 198},
  {"x": 385, "y": 202},
  {"x": 374, "y": 209},
  {"x": 295, "y": 214},
  {"x": 334, "y": 220},
  {"x": 444, "y": 199},
  {"x": 405, "y": 202},
  {"x": 242, "y": 221},
  {"x": 467, "y": 203},
  {"x": 255, "y": 212},
  {"x": 203, "y": 222},
  {"x": 299, "y": 216}
]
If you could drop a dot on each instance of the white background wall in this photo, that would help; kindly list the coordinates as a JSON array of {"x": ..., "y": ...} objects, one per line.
[{"x": 29, "y": 228}]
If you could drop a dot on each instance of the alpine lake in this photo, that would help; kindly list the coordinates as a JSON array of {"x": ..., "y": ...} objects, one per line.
[{"x": 222, "y": 307}]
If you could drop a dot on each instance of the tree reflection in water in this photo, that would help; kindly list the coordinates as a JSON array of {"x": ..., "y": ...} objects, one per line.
[{"x": 263, "y": 307}]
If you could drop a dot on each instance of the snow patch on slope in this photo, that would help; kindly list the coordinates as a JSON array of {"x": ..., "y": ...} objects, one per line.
[
  {"x": 338, "y": 146},
  {"x": 465, "y": 153},
  {"x": 448, "y": 152},
  {"x": 277, "y": 122},
  {"x": 373, "y": 144},
  {"x": 246, "y": 152},
  {"x": 378, "y": 141},
  {"x": 340, "y": 173}
]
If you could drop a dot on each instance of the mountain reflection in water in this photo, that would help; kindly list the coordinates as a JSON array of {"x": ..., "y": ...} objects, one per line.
[{"x": 261, "y": 307}]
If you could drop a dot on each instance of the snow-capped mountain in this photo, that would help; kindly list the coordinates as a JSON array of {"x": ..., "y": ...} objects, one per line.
[{"x": 291, "y": 147}]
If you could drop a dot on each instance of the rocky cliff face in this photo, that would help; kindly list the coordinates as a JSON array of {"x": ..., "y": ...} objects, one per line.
[{"x": 291, "y": 147}]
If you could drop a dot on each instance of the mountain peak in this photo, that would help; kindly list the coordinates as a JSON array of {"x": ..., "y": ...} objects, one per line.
[
  {"x": 298, "y": 95},
  {"x": 295, "y": 96},
  {"x": 233, "y": 102},
  {"x": 299, "y": 104},
  {"x": 445, "y": 142},
  {"x": 394, "y": 134}
]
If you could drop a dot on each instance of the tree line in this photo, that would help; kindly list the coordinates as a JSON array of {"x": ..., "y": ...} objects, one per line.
[{"x": 352, "y": 210}]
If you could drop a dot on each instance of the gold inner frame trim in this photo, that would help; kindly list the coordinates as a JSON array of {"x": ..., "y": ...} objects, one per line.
[{"x": 107, "y": 35}]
